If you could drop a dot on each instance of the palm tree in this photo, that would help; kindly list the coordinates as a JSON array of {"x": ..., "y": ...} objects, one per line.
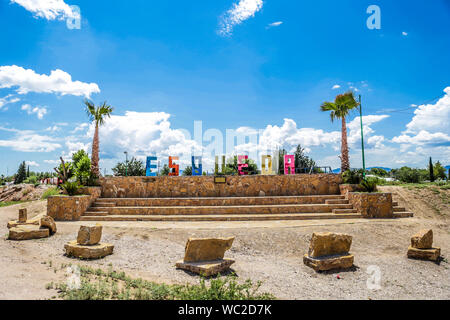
[
  {"x": 97, "y": 115},
  {"x": 339, "y": 109}
]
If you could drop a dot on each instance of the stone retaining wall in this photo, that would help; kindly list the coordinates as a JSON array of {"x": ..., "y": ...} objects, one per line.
[
  {"x": 372, "y": 205},
  {"x": 70, "y": 208},
  {"x": 235, "y": 186}
]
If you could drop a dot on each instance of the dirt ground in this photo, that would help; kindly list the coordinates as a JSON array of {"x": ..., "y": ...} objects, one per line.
[{"x": 267, "y": 251}]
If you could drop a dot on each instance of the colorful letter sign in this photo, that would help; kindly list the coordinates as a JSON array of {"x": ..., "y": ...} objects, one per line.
[
  {"x": 216, "y": 165},
  {"x": 242, "y": 165},
  {"x": 174, "y": 168},
  {"x": 266, "y": 170},
  {"x": 150, "y": 166},
  {"x": 289, "y": 163},
  {"x": 197, "y": 169}
]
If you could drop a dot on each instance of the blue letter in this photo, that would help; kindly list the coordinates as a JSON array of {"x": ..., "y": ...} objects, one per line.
[
  {"x": 197, "y": 170},
  {"x": 150, "y": 166}
]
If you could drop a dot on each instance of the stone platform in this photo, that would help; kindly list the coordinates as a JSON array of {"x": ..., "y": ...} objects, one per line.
[
  {"x": 329, "y": 262},
  {"x": 100, "y": 250},
  {"x": 206, "y": 268}
]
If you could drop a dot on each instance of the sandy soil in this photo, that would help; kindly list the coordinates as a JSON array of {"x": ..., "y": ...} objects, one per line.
[{"x": 267, "y": 251}]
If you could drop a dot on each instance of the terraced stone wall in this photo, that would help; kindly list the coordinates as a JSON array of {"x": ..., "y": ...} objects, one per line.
[{"x": 235, "y": 186}]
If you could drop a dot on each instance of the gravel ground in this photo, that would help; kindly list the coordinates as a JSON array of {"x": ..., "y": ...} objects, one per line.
[{"x": 270, "y": 252}]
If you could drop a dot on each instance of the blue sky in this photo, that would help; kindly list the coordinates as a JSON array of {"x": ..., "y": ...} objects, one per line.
[{"x": 245, "y": 65}]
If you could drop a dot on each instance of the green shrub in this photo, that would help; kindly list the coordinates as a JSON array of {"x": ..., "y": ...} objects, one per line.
[
  {"x": 353, "y": 176},
  {"x": 50, "y": 192},
  {"x": 97, "y": 284},
  {"x": 409, "y": 175},
  {"x": 71, "y": 187},
  {"x": 368, "y": 185}
]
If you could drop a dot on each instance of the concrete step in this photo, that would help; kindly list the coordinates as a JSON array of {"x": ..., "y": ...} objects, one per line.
[
  {"x": 398, "y": 209},
  {"x": 394, "y": 203},
  {"x": 404, "y": 214},
  {"x": 217, "y": 201},
  {"x": 217, "y": 210},
  {"x": 336, "y": 201},
  {"x": 343, "y": 211},
  {"x": 243, "y": 217}
]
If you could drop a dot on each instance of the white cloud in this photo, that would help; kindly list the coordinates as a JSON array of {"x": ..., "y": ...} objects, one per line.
[
  {"x": 404, "y": 33},
  {"x": 58, "y": 82},
  {"x": 274, "y": 24},
  {"x": 29, "y": 141},
  {"x": 336, "y": 86},
  {"x": 423, "y": 138},
  {"x": 48, "y": 9},
  {"x": 429, "y": 128},
  {"x": 432, "y": 117},
  {"x": 240, "y": 12},
  {"x": 32, "y": 163},
  {"x": 39, "y": 111},
  {"x": 7, "y": 100},
  {"x": 354, "y": 131},
  {"x": 80, "y": 127},
  {"x": 142, "y": 134}
]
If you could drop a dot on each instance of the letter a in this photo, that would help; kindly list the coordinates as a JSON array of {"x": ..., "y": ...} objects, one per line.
[{"x": 374, "y": 21}]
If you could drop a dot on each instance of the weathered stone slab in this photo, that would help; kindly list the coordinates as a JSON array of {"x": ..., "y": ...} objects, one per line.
[
  {"x": 424, "y": 254},
  {"x": 327, "y": 243},
  {"x": 48, "y": 222},
  {"x": 206, "y": 249},
  {"x": 90, "y": 235},
  {"x": 422, "y": 239},
  {"x": 206, "y": 268},
  {"x": 329, "y": 262},
  {"x": 22, "y": 215},
  {"x": 28, "y": 232},
  {"x": 100, "y": 250}
]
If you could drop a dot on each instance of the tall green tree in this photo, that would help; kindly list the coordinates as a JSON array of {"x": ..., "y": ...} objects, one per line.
[
  {"x": 430, "y": 168},
  {"x": 21, "y": 174},
  {"x": 302, "y": 160},
  {"x": 439, "y": 171},
  {"x": 97, "y": 115},
  {"x": 339, "y": 109}
]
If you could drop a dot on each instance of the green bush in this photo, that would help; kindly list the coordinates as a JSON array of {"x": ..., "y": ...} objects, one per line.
[
  {"x": 368, "y": 185},
  {"x": 353, "y": 176},
  {"x": 71, "y": 187},
  {"x": 409, "y": 175},
  {"x": 97, "y": 284}
]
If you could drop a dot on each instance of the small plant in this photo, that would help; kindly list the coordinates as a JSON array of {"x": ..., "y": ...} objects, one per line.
[
  {"x": 368, "y": 185},
  {"x": 352, "y": 176},
  {"x": 71, "y": 187}
]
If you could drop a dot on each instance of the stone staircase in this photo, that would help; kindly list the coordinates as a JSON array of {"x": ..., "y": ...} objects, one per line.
[
  {"x": 221, "y": 208},
  {"x": 400, "y": 212}
]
